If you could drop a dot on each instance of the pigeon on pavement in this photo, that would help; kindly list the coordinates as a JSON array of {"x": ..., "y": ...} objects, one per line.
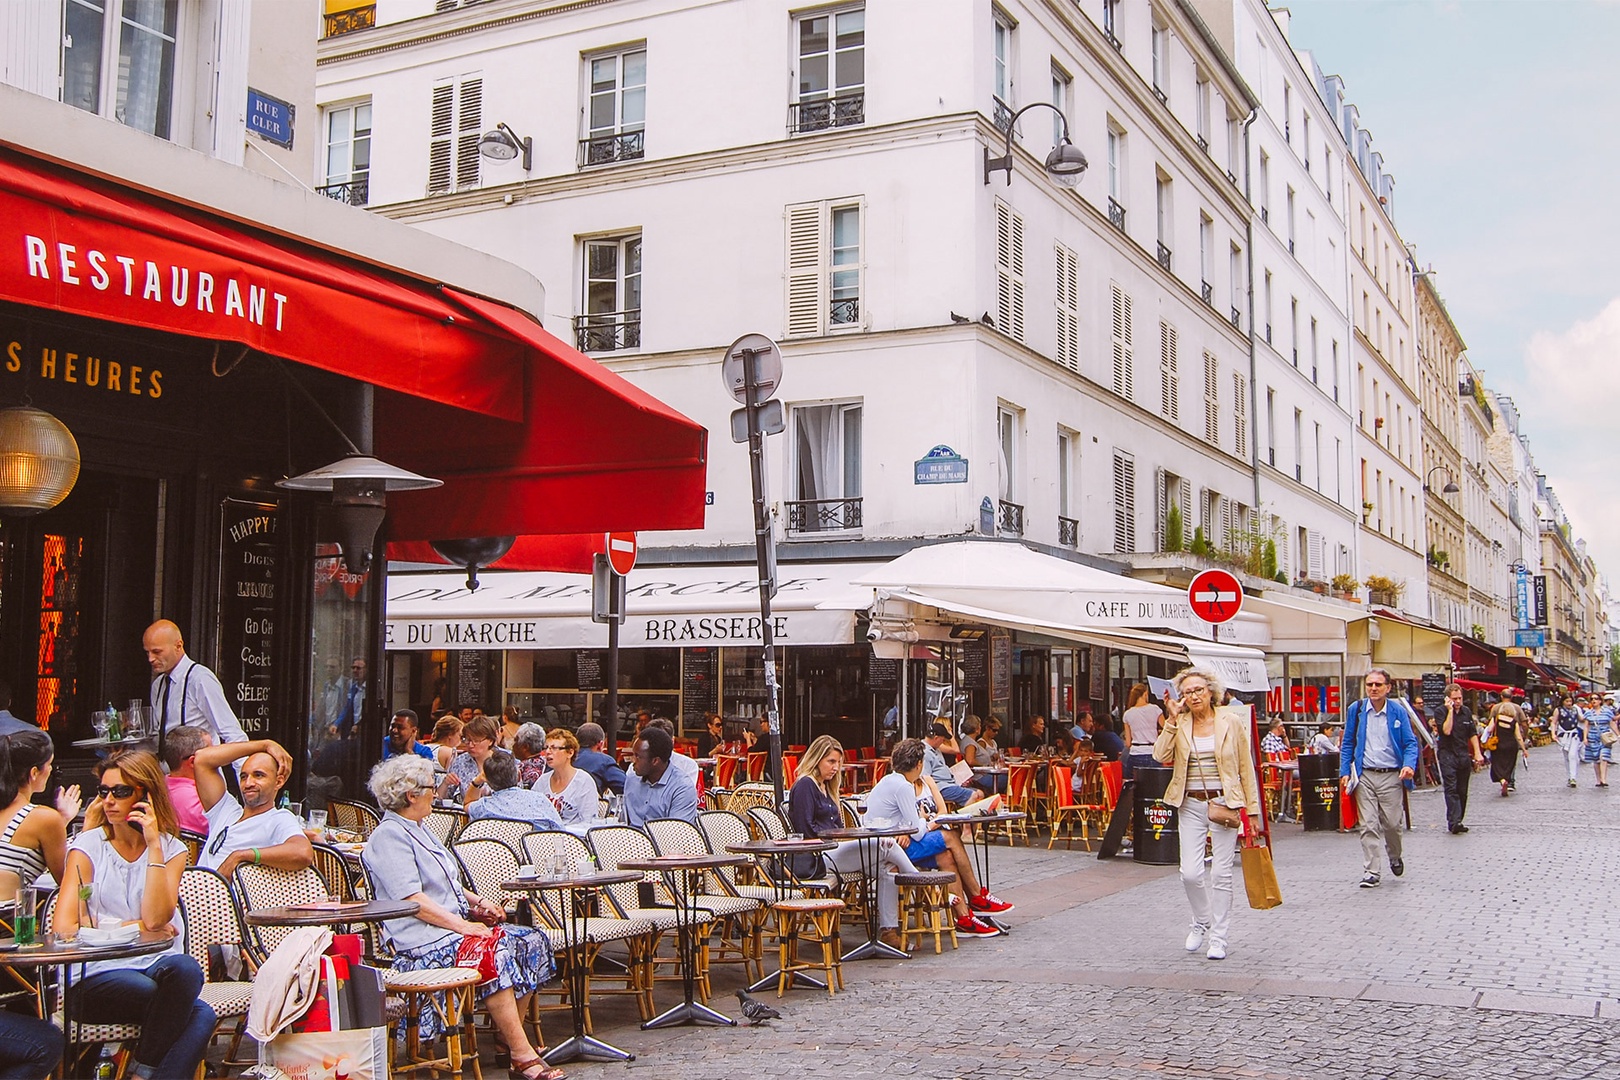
[{"x": 756, "y": 1012}]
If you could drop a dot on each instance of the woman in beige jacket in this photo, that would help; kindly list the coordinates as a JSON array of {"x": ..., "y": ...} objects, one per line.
[{"x": 1208, "y": 747}]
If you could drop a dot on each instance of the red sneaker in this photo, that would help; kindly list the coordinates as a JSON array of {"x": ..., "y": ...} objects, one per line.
[
  {"x": 970, "y": 926},
  {"x": 989, "y": 903}
]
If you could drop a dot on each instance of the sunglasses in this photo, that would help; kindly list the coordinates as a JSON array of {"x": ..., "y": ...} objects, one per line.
[{"x": 122, "y": 791}]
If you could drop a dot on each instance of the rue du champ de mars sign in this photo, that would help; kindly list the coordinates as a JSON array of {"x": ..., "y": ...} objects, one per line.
[{"x": 941, "y": 465}]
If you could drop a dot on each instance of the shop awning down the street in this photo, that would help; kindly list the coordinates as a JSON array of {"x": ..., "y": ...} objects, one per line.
[
  {"x": 668, "y": 606},
  {"x": 529, "y": 435}
]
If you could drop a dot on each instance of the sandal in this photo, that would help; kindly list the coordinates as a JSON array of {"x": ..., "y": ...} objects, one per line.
[{"x": 546, "y": 1072}]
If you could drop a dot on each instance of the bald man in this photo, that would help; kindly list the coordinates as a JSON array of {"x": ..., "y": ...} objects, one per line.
[{"x": 185, "y": 692}]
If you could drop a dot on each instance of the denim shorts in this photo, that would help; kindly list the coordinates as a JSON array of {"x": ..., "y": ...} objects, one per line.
[{"x": 924, "y": 850}]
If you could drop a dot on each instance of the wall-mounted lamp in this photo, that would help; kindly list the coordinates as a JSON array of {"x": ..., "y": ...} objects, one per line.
[
  {"x": 1065, "y": 164},
  {"x": 504, "y": 144},
  {"x": 39, "y": 461},
  {"x": 1451, "y": 487}
]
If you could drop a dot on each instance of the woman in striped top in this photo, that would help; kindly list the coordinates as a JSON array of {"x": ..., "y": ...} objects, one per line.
[
  {"x": 1208, "y": 747},
  {"x": 33, "y": 838}
]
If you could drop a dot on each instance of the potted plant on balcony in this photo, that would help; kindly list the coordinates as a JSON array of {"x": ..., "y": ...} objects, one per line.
[
  {"x": 1346, "y": 587},
  {"x": 1175, "y": 529},
  {"x": 1384, "y": 590},
  {"x": 1200, "y": 544}
]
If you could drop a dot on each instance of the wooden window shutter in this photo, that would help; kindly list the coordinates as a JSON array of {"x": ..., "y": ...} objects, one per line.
[
  {"x": 1124, "y": 502},
  {"x": 1169, "y": 374},
  {"x": 1009, "y": 272},
  {"x": 1240, "y": 414},
  {"x": 1124, "y": 360},
  {"x": 441, "y": 128},
  {"x": 806, "y": 269},
  {"x": 1314, "y": 553},
  {"x": 1068, "y": 308},
  {"x": 1161, "y": 508},
  {"x": 1212, "y": 398},
  {"x": 468, "y": 129}
]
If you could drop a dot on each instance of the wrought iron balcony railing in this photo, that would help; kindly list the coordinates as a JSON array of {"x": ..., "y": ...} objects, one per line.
[
  {"x": 1009, "y": 519},
  {"x": 1116, "y": 214},
  {"x": 845, "y": 312},
  {"x": 608, "y": 331},
  {"x": 824, "y": 114},
  {"x": 1001, "y": 116},
  {"x": 806, "y": 516},
  {"x": 1164, "y": 255},
  {"x": 1068, "y": 532},
  {"x": 1237, "y": 318},
  {"x": 1207, "y": 291},
  {"x": 606, "y": 149},
  {"x": 353, "y": 192},
  {"x": 344, "y": 22}
]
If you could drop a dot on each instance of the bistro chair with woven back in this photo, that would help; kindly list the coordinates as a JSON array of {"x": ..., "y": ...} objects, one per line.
[{"x": 741, "y": 919}]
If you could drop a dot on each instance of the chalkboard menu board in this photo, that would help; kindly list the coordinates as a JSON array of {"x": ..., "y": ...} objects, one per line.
[
  {"x": 247, "y": 609},
  {"x": 1000, "y": 667},
  {"x": 1434, "y": 694},
  {"x": 469, "y": 679},
  {"x": 700, "y": 689},
  {"x": 588, "y": 670},
  {"x": 882, "y": 674},
  {"x": 976, "y": 664}
]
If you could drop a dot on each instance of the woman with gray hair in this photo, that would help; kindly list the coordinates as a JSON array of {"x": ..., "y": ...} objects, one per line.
[
  {"x": 1207, "y": 746},
  {"x": 529, "y": 747},
  {"x": 407, "y": 862}
]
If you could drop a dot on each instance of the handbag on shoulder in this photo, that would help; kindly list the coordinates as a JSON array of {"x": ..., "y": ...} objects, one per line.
[{"x": 1221, "y": 814}]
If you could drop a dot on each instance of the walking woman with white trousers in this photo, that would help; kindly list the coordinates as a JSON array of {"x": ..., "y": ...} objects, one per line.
[{"x": 1208, "y": 748}]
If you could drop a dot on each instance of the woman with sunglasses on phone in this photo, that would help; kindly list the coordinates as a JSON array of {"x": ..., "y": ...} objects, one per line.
[
  {"x": 1207, "y": 746},
  {"x": 131, "y": 856}
]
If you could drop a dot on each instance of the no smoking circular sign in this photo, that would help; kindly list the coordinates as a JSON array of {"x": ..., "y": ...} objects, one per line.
[{"x": 1215, "y": 596}]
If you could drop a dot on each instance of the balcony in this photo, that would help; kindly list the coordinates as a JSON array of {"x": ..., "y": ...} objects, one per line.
[
  {"x": 606, "y": 149},
  {"x": 1203, "y": 144},
  {"x": 1237, "y": 319},
  {"x": 346, "y": 22},
  {"x": 1002, "y": 116},
  {"x": 1207, "y": 291},
  {"x": 1009, "y": 519},
  {"x": 1116, "y": 214},
  {"x": 354, "y": 192},
  {"x": 1068, "y": 532},
  {"x": 608, "y": 331},
  {"x": 1164, "y": 255},
  {"x": 1268, "y": 333},
  {"x": 1164, "y": 99},
  {"x": 815, "y": 517},
  {"x": 845, "y": 110}
]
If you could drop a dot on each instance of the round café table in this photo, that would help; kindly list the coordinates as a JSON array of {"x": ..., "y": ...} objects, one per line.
[
  {"x": 64, "y": 954},
  {"x": 340, "y": 913},
  {"x": 103, "y": 744},
  {"x": 871, "y": 864},
  {"x": 574, "y": 921},
  {"x": 783, "y": 883},
  {"x": 683, "y": 876},
  {"x": 981, "y": 848}
]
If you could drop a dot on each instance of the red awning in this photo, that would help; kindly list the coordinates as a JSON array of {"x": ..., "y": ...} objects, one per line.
[
  {"x": 1480, "y": 684},
  {"x": 529, "y": 435},
  {"x": 1539, "y": 673},
  {"x": 571, "y": 553},
  {"x": 1470, "y": 655}
]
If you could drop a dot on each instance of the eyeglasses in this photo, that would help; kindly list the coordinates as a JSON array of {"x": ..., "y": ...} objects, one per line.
[
  {"x": 122, "y": 791},
  {"x": 1373, "y": 684},
  {"x": 551, "y": 746},
  {"x": 1195, "y": 689}
]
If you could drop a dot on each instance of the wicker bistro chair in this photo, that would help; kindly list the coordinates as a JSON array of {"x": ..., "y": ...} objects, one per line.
[
  {"x": 214, "y": 920},
  {"x": 722, "y": 829},
  {"x": 194, "y": 846},
  {"x": 925, "y": 907},
  {"x": 767, "y": 822},
  {"x": 450, "y": 992},
  {"x": 445, "y": 824},
  {"x": 334, "y": 870},
  {"x": 741, "y": 918},
  {"x": 1068, "y": 809},
  {"x": 352, "y": 816},
  {"x": 505, "y": 830},
  {"x": 604, "y": 926},
  {"x": 1020, "y": 797},
  {"x": 259, "y": 886},
  {"x": 614, "y": 844},
  {"x": 743, "y": 797}
]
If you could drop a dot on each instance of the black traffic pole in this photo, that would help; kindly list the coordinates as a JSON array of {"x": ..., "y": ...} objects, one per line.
[
  {"x": 612, "y": 724},
  {"x": 763, "y": 541}
]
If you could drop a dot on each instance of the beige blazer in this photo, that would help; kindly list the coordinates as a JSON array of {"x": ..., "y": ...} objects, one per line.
[{"x": 1233, "y": 759}]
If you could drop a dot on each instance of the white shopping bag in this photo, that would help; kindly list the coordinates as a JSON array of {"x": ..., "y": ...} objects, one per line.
[{"x": 360, "y": 1054}]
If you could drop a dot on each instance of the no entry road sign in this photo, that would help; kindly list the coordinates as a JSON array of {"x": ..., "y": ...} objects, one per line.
[
  {"x": 621, "y": 552},
  {"x": 1215, "y": 596}
]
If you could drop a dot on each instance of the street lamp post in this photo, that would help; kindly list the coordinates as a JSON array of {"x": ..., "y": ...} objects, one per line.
[
  {"x": 1450, "y": 488},
  {"x": 1065, "y": 164}
]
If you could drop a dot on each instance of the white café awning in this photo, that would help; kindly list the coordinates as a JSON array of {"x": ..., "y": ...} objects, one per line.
[
  {"x": 666, "y": 606},
  {"x": 1010, "y": 578}
]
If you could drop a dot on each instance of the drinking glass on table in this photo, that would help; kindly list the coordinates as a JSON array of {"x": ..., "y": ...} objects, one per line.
[
  {"x": 27, "y": 917},
  {"x": 98, "y": 720},
  {"x": 317, "y": 820},
  {"x": 297, "y": 809}
]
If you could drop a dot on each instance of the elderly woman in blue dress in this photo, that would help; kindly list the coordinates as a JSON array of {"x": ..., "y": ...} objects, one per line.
[{"x": 407, "y": 862}]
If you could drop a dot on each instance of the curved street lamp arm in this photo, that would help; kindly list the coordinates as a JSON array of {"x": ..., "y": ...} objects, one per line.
[{"x": 1004, "y": 163}]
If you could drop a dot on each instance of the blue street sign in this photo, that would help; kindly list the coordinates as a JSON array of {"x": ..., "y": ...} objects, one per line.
[
  {"x": 1530, "y": 639},
  {"x": 1522, "y": 588},
  {"x": 270, "y": 118},
  {"x": 941, "y": 465}
]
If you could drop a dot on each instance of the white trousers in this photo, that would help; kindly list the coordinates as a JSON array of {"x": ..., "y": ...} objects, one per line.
[
  {"x": 1573, "y": 749},
  {"x": 1209, "y": 888},
  {"x": 846, "y": 859}
]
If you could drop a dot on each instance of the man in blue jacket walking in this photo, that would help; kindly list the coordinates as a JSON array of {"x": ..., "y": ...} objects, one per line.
[{"x": 1377, "y": 760}]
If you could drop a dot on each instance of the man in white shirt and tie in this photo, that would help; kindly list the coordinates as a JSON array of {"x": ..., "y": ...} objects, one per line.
[{"x": 185, "y": 692}]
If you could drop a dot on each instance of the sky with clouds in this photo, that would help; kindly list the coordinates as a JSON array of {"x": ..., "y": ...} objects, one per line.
[{"x": 1497, "y": 119}]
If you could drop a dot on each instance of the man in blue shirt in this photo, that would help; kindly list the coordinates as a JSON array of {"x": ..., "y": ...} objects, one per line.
[
  {"x": 653, "y": 789},
  {"x": 1378, "y": 759},
  {"x": 606, "y": 771},
  {"x": 402, "y": 737},
  {"x": 10, "y": 725}
]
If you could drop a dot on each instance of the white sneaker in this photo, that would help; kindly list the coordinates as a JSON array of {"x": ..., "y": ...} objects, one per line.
[
  {"x": 1217, "y": 950},
  {"x": 1195, "y": 936}
]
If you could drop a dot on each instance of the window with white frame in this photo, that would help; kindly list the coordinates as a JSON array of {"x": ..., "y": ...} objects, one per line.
[
  {"x": 1002, "y": 61},
  {"x": 1236, "y": 277},
  {"x": 1206, "y": 257},
  {"x": 831, "y": 83},
  {"x": 826, "y": 469},
  {"x": 1124, "y": 367},
  {"x": 1009, "y": 448},
  {"x": 825, "y": 272},
  {"x": 454, "y": 129},
  {"x": 1068, "y": 443},
  {"x": 610, "y": 306},
  {"x": 1009, "y": 272},
  {"x": 1169, "y": 374},
  {"x": 347, "y": 157},
  {"x": 1124, "y": 502},
  {"x": 1271, "y": 426},
  {"x": 1201, "y": 99},
  {"x": 1161, "y": 61},
  {"x": 1116, "y": 169},
  {"x": 118, "y": 59},
  {"x": 615, "y": 107},
  {"x": 1265, "y": 186},
  {"x": 1170, "y": 490},
  {"x": 1163, "y": 222},
  {"x": 1062, "y": 100},
  {"x": 1068, "y": 307}
]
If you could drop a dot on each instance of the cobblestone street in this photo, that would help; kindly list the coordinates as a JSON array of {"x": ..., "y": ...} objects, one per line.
[{"x": 1467, "y": 966}]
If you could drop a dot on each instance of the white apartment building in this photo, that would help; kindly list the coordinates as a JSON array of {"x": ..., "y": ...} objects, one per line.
[
  {"x": 1486, "y": 498},
  {"x": 1085, "y": 350},
  {"x": 1440, "y": 348},
  {"x": 181, "y": 70}
]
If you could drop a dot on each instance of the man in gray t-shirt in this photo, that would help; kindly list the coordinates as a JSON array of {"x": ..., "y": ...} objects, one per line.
[{"x": 935, "y": 744}]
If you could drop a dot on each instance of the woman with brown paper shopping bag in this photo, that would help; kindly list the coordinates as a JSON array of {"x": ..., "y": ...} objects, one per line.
[{"x": 1214, "y": 788}]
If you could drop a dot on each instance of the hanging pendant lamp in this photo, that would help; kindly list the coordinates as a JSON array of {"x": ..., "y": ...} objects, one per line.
[{"x": 39, "y": 460}]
